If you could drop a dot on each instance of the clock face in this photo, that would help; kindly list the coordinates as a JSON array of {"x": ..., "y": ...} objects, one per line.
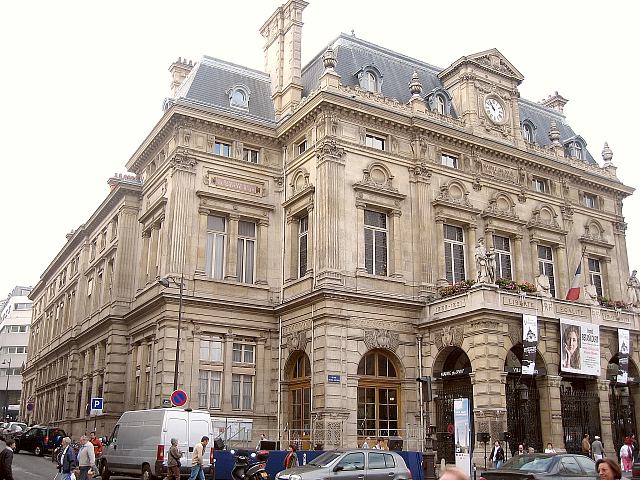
[{"x": 494, "y": 109}]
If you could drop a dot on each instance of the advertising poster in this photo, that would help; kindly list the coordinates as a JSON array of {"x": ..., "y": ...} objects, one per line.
[
  {"x": 529, "y": 343},
  {"x": 623, "y": 356},
  {"x": 462, "y": 425},
  {"x": 579, "y": 347}
]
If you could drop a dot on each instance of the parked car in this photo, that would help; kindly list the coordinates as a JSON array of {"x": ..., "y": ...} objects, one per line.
[
  {"x": 352, "y": 465},
  {"x": 13, "y": 427},
  {"x": 40, "y": 440},
  {"x": 141, "y": 440},
  {"x": 544, "y": 466}
]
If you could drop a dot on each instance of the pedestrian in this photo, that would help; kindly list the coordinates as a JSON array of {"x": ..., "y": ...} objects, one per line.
[
  {"x": 291, "y": 460},
  {"x": 550, "y": 448},
  {"x": 262, "y": 437},
  {"x": 608, "y": 469},
  {"x": 365, "y": 444},
  {"x": 586, "y": 445},
  {"x": 197, "y": 459},
  {"x": 6, "y": 459},
  {"x": 626, "y": 455},
  {"x": 378, "y": 445},
  {"x": 86, "y": 458},
  {"x": 68, "y": 460},
  {"x": 497, "y": 455},
  {"x": 173, "y": 461},
  {"x": 98, "y": 448},
  {"x": 634, "y": 446},
  {"x": 521, "y": 449},
  {"x": 597, "y": 449}
]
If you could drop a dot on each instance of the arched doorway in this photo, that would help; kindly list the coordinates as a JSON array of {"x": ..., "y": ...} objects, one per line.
[
  {"x": 523, "y": 401},
  {"x": 299, "y": 384},
  {"x": 580, "y": 408},
  {"x": 451, "y": 370},
  {"x": 621, "y": 403},
  {"x": 378, "y": 396}
]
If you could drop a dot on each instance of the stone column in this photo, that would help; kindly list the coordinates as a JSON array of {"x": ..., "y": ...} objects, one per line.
[
  {"x": 232, "y": 250},
  {"x": 471, "y": 260},
  {"x": 551, "y": 410},
  {"x": 518, "y": 260},
  {"x": 260, "y": 385},
  {"x": 605, "y": 414},
  {"x": 361, "y": 267},
  {"x": 201, "y": 267},
  {"x": 262, "y": 252},
  {"x": 535, "y": 269},
  {"x": 442, "y": 268},
  {"x": 181, "y": 207},
  {"x": 290, "y": 260},
  {"x": 123, "y": 275},
  {"x": 396, "y": 250},
  {"x": 562, "y": 276},
  {"x": 143, "y": 262},
  {"x": 153, "y": 252},
  {"x": 420, "y": 177},
  {"x": 310, "y": 240},
  {"x": 330, "y": 177},
  {"x": 226, "y": 374}
]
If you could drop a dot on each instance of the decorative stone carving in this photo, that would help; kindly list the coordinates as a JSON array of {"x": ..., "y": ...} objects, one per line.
[
  {"x": 543, "y": 217},
  {"x": 477, "y": 186},
  {"x": 378, "y": 338},
  {"x": 543, "y": 286},
  {"x": 515, "y": 333},
  {"x": 566, "y": 210},
  {"x": 297, "y": 341},
  {"x": 554, "y": 134},
  {"x": 590, "y": 295},
  {"x": 522, "y": 196},
  {"x": 633, "y": 290},
  {"x": 420, "y": 170},
  {"x": 501, "y": 206},
  {"x": 607, "y": 155},
  {"x": 449, "y": 336},
  {"x": 485, "y": 266},
  {"x": 334, "y": 433},
  {"x": 329, "y": 149},
  {"x": 329, "y": 60},
  {"x": 415, "y": 87},
  {"x": 183, "y": 161},
  {"x": 447, "y": 195}
]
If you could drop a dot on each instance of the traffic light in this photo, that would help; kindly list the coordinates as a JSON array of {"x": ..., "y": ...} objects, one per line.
[{"x": 427, "y": 390}]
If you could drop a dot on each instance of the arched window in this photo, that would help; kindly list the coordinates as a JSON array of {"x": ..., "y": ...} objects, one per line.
[
  {"x": 528, "y": 132},
  {"x": 441, "y": 104},
  {"x": 575, "y": 149},
  {"x": 378, "y": 391},
  {"x": 370, "y": 78},
  {"x": 300, "y": 395},
  {"x": 239, "y": 96}
]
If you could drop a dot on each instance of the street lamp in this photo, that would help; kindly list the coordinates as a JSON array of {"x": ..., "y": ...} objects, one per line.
[
  {"x": 6, "y": 390},
  {"x": 165, "y": 282}
]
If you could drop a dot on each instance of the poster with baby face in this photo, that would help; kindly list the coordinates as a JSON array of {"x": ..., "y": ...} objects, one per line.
[{"x": 579, "y": 347}]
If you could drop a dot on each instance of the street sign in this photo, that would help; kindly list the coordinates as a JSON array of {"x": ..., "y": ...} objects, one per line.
[
  {"x": 178, "y": 398},
  {"x": 166, "y": 402},
  {"x": 96, "y": 406},
  {"x": 333, "y": 378}
]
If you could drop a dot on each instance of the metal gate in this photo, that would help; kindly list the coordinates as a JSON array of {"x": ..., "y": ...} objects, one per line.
[
  {"x": 580, "y": 415},
  {"x": 523, "y": 413},
  {"x": 447, "y": 391},
  {"x": 623, "y": 414}
]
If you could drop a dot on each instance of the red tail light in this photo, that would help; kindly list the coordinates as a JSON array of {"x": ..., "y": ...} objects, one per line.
[
  {"x": 211, "y": 455},
  {"x": 46, "y": 440},
  {"x": 160, "y": 453}
]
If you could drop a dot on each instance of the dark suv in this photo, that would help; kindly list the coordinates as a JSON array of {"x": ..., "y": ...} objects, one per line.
[{"x": 40, "y": 440}]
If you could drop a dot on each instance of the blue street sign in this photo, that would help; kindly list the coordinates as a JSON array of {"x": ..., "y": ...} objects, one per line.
[
  {"x": 333, "y": 378},
  {"x": 97, "y": 403}
]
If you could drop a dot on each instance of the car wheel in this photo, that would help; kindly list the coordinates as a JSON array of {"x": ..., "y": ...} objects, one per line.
[
  {"x": 104, "y": 471},
  {"x": 38, "y": 451},
  {"x": 146, "y": 473}
]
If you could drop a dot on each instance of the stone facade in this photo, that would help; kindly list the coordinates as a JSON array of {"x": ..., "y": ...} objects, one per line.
[{"x": 310, "y": 229}]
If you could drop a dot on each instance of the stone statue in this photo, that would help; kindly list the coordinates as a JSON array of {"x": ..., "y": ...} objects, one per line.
[
  {"x": 543, "y": 286},
  {"x": 491, "y": 265},
  {"x": 590, "y": 295},
  {"x": 481, "y": 262},
  {"x": 633, "y": 290}
]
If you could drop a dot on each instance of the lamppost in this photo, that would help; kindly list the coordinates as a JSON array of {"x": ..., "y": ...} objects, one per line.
[
  {"x": 6, "y": 390},
  {"x": 165, "y": 282}
]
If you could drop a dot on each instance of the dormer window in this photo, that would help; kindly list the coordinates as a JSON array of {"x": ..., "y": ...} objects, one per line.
[
  {"x": 440, "y": 104},
  {"x": 439, "y": 101},
  {"x": 239, "y": 96},
  {"x": 370, "y": 79},
  {"x": 528, "y": 132},
  {"x": 575, "y": 149}
]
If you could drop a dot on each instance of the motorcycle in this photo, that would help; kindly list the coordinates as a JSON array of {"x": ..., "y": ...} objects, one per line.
[{"x": 250, "y": 465}]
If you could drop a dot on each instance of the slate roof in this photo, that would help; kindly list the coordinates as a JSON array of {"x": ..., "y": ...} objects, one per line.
[
  {"x": 208, "y": 82},
  {"x": 353, "y": 53}
]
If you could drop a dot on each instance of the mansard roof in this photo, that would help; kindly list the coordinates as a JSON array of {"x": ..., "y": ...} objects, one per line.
[{"x": 210, "y": 80}]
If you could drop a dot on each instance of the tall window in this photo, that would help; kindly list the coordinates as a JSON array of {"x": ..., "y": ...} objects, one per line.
[
  {"x": 576, "y": 150},
  {"x": 589, "y": 200},
  {"x": 595, "y": 274},
  {"x": 300, "y": 390},
  {"x": 210, "y": 388},
  {"x": 440, "y": 104},
  {"x": 375, "y": 242},
  {"x": 301, "y": 147},
  {"x": 246, "y": 251},
  {"x": 243, "y": 353},
  {"x": 374, "y": 141},
  {"x": 211, "y": 350},
  {"x": 540, "y": 185},
  {"x": 502, "y": 247},
  {"x": 449, "y": 160},
  {"x": 216, "y": 241},
  {"x": 545, "y": 266},
  {"x": 303, "y": 231},
  {"x": 369, "y": 81},
  {"x": 378, "y": 403},
  {"x": 242, "y": 392},
  {"x": 221, "y": 148},
  {"x": 454, "y": 253},
  {"x": 527, "y": 133}
]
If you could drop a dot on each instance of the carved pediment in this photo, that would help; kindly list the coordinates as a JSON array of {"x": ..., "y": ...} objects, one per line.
[
  {"x": 594, "y": 235},
  {"x": 491, "y": 60},
  {"x": 501, "y": 206},
  {"x": 449, "y": 336},
  {"x": 378, "y": 338},
  {"x": 545, "y": 218},
  {"x": 455, "y": 195},
  {"x": 297, "y": 341}
]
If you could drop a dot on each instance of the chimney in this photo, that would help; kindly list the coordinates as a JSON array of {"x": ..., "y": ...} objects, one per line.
[
  {"x": 179, "y": 71},
  {"x": 555, "y": 101},
  {"x": 283, "y": 56}
]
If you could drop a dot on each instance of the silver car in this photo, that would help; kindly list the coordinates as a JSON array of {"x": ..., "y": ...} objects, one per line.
[{"x": 357, "y": 464}]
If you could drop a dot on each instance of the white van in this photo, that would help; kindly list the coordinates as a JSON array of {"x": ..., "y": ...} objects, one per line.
[{"x": 141, "y": 440}]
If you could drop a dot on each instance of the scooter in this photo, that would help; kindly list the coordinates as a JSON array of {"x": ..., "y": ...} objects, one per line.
[{"x": 250, "y": 465}]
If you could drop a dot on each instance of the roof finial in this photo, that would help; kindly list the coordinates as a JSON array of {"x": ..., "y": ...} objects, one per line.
[
  {"x": 353, "y": 32},
  {"x": 607, "y": 155},
  {"x": 329, "y": 60},
  {"x": 415, "y": 87},
  {"x": 554, "y": 134}
]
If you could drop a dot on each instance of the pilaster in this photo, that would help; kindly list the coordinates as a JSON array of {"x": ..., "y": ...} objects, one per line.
[
  {"x": 263, "y": 252},
  {"x": 551, "y": 410},
  {"x": 518, "y": 260},
  {"x": 605, "y": 412},
  {"x": 563, "y": 273},
  {"x": 232, "y": 249}
]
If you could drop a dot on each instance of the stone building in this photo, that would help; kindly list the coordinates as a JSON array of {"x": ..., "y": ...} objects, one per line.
[{"x": 327, "y": 221}]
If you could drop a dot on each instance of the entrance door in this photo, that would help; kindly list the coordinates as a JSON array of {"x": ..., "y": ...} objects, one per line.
[
  {"x": 523, "y": 413},
  {"x": 447, "y": 391},
  {"x": 580, "y": 412}
]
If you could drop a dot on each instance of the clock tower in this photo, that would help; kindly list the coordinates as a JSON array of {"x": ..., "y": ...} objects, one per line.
[{"x": 484, "y": 89}]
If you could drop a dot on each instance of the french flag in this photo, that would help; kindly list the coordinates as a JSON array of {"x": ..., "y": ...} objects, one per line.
[{"x": 574, "y": 291}]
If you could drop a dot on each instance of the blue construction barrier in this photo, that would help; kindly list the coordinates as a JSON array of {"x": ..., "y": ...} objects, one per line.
[{"x": 225, "y": 461}]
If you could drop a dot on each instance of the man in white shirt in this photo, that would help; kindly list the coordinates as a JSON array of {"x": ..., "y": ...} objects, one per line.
[{"x": 86, "y": 457}]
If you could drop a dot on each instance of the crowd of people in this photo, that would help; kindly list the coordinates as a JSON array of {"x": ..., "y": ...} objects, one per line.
[{"x": 80, "y": 464}]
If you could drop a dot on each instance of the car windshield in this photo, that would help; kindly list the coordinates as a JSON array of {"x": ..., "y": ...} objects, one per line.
[
  {"x": 529, "y": 463},
  {"x": 325, "y": 459}
]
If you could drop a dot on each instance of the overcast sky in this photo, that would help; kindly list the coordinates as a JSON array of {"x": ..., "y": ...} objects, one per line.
[{"x": 83, "y": 84}]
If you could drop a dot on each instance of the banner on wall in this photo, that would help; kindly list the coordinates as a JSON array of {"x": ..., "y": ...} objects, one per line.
[
  {"x": 623, "y": 356},
  {"x": 579, "y": 347},
  {"x": 529, "y": 343},
  {"x": 462, "y": 425}
]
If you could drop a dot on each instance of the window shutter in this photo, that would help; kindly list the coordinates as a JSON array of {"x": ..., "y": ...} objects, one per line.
[{"x": 303, "y": 255}]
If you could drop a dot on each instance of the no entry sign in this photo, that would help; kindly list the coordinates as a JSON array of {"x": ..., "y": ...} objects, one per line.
[{"x": 178, "y": 398}]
